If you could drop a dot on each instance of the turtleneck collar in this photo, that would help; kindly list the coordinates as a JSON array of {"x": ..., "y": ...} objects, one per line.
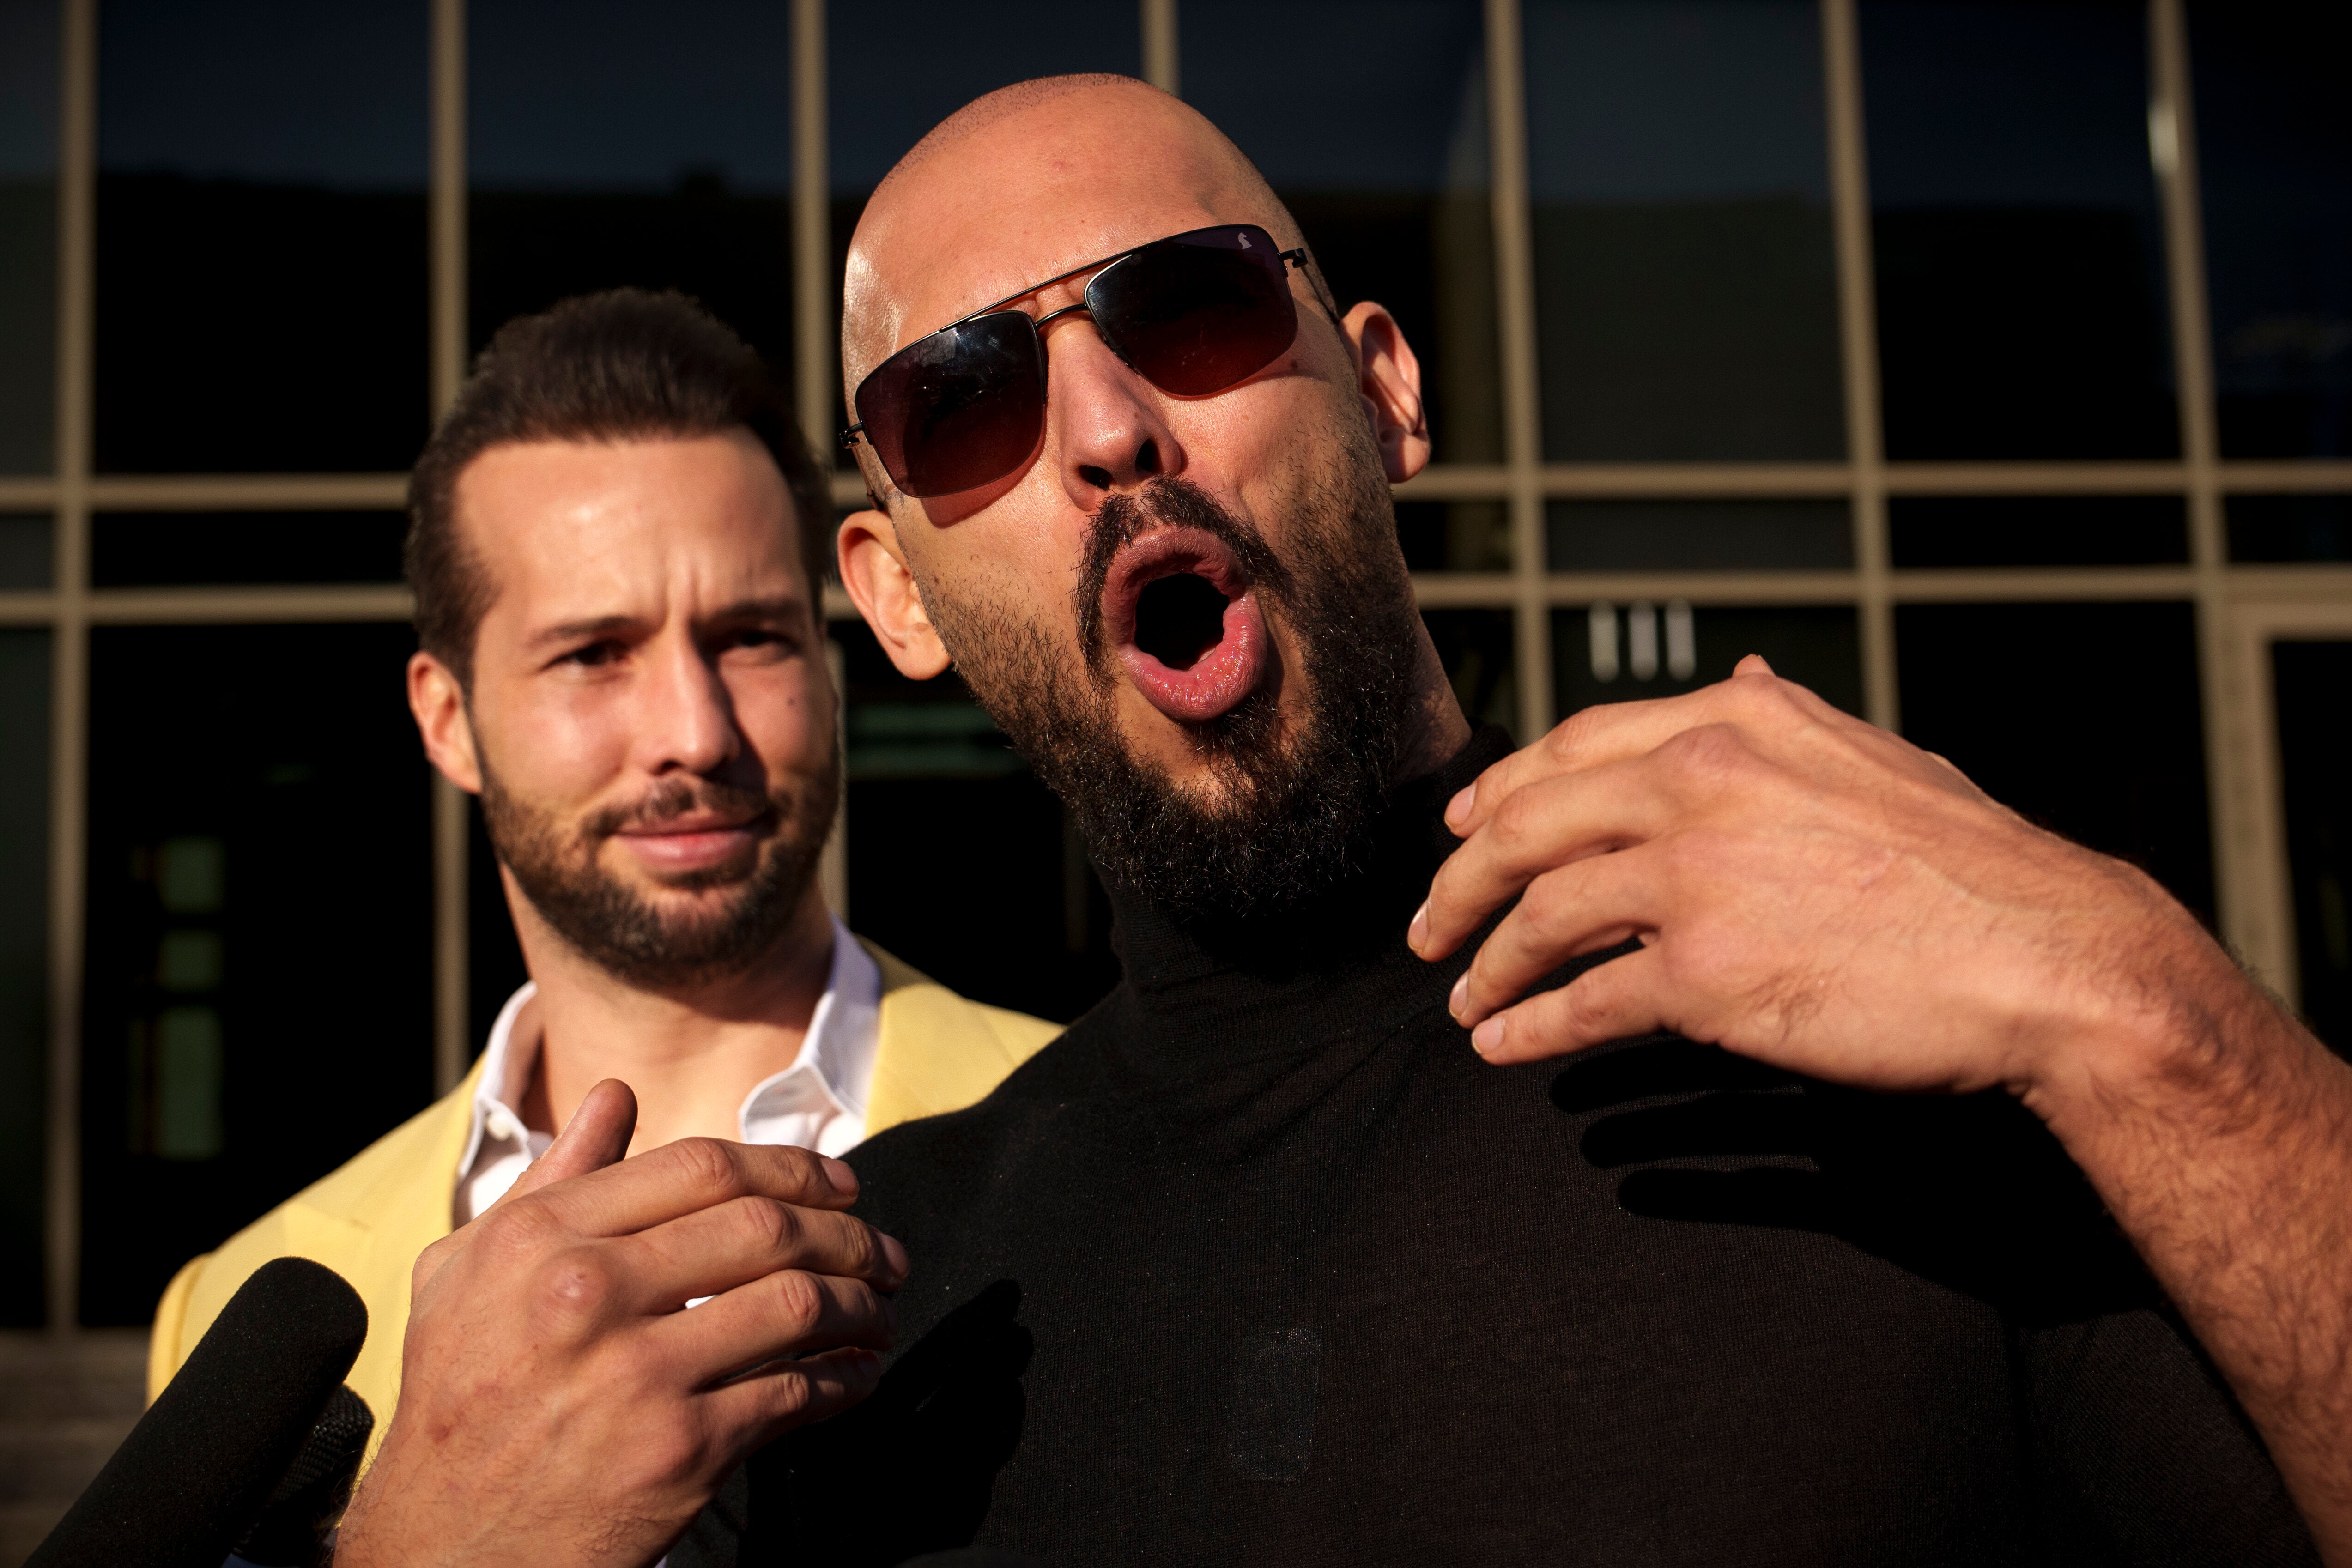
[{"x": 1279, "y": 985}]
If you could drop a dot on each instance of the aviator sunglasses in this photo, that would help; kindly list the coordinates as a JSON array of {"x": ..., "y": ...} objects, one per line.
[{"x": 1192, "y": 314}]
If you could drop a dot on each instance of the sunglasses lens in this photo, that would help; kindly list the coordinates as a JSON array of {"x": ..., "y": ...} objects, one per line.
[
  {"x": 959, "y": 409},
  {"x": 1198, "y": 312}
]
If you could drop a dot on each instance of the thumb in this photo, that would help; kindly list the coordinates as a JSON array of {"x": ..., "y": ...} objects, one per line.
[{"x": 596, "y": 1136}]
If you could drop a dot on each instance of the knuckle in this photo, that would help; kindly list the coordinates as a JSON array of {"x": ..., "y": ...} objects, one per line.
[
  {"x": 709, "y": 1167},
  {"x": 575, "y": 1285},
  {"x": 798, "y": 1303},
  {"x": 769, "y": 1226}
]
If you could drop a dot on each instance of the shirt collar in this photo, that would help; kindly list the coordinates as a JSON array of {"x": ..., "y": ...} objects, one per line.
[{"x": 507, "y": 1063}]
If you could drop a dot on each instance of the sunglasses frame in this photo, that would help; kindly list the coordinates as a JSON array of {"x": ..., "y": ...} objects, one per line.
[{"x": 1285, "y": 259}]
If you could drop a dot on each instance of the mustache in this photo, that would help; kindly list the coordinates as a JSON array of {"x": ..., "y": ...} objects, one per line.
[
  {"x": 669, "y": 800},
  {"x": 1177, "y": 503}
]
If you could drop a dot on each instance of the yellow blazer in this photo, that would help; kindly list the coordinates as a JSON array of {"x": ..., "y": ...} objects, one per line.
[{"x": 935, "y": 1052}]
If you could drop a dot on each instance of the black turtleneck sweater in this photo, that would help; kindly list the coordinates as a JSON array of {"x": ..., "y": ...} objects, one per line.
[{"x": 1260, "y": 1264}]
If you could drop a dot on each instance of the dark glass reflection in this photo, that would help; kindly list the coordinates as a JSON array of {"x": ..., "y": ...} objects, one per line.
[
  {"x": 1454, "y": 536},
  {"x": 1614, "y": 653},
  {"x": 1702, "y": 535},
  {"x": 171, "y": 550},
  {"x": 2316, "y": 762},
  {"x": 2015, "y": 233},
  {"x": 2274, "y": 153},
  {"x": 1380, "y": 151},
  {"x": 24, "y": 971},
  {"x": 262, "y": 284},
  {"x": 2038, "y": 531},
  {"x": 28, "y": 232},
  {"x": 959, "y": 860},
  {"x": 1686, "y": 288},
  {"x": 2083, "y": 716},
  {"x": 2289, "y": 527},
  {"x": 28, "y": 550},
  {"x": 895, "y": 71},
  {"x": 259, "y": 991},
  {"x": 605, "y": 150},
  {"x": 1476, "y": 648}
]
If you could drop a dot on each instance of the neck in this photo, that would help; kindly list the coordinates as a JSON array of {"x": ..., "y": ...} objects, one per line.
[
  {"x": 1435, "y": 731},
  {"x": 691, "y": 1054}
]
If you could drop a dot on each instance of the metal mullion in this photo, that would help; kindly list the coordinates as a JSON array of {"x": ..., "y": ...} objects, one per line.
[
  {"x": 1516, "y": 310},
  {"x": 452, "y": 954},
  {"x": 70, "y": 655},
  {"x": 1162, "y": 62},
  {"x": 2238, "y": 807},
  {"x": 815, "y": 333},
  {"x": 1858, "y": 343}
]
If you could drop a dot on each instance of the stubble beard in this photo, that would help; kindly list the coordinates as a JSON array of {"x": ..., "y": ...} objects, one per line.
[
  {"x": 1286, "y": 809},
  {"x": 632, "y": 937}
]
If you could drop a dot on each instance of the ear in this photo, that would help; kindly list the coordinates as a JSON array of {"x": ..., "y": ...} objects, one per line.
[
  {"x": 1389, "y": 377},
  {"x": 438, "y": 703},
  {"x": 874, "y": 570}
]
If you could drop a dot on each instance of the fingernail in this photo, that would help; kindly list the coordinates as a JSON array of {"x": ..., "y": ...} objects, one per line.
[
  {"x": 1487, "y": 1038},
  {"x": 895, "y": 1255},
  {"x": 1458, "y": 996},
  {"x": 1457, "y": 811},
  {"x": 843, "y": 1178},
  {"x": 1418, "y": 932}
]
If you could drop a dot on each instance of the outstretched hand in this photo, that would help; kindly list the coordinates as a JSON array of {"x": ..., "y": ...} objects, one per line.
[{"x": 559, "y": 1404}]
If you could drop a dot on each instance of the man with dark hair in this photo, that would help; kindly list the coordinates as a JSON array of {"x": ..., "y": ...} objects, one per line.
[
  {"x": 617, "y": 544},
  {"x": 1978, "y": 1209}
]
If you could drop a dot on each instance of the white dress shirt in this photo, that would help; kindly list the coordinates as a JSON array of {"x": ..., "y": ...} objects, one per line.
[{"x": 818, "y": 1103}]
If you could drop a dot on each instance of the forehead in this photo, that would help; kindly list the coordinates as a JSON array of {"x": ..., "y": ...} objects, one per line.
[{"x": 1025, "y": 200}]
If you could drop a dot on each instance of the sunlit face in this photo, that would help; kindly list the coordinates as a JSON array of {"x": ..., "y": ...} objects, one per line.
[
  {"x": 1186, "y": 603},
  {"x": 650, "y": 703}
]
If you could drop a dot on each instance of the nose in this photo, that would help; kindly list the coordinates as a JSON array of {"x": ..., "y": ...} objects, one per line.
[
  {"x": 688, "y": 716},
  {"x": 1107, "y": 436}
]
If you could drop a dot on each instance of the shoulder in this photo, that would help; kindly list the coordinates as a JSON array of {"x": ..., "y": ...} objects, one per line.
[
  {"x": 367, "y": 1220},
  {"x": 938, "y": 1051}
]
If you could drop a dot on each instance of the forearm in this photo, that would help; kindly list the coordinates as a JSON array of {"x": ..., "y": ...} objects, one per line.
[{"x": 2220, "y": 1133}]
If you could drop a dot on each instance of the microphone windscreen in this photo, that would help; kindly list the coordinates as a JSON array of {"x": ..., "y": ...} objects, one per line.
[
  {"x": 198, "y": 1467},
  {"x": 310, "y": 1496}
]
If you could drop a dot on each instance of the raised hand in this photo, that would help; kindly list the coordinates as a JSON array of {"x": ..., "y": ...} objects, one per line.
[{"x": 559, "y": 1404}]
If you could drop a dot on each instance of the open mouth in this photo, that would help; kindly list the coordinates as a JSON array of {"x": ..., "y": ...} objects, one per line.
[{"x": 1180, "y": 610}]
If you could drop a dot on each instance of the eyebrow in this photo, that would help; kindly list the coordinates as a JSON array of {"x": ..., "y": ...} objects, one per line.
[{"x": 781, "y": 607}]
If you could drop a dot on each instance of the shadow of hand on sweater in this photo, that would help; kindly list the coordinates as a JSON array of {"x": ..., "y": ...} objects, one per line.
[
  {"x": 910, "y": 1470},
  {"x": 1970, "y": 1191}
]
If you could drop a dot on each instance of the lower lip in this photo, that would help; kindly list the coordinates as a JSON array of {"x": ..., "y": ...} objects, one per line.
[
  {"x": 689, "y": 852},
  {"x": 1219, "y": 678}
]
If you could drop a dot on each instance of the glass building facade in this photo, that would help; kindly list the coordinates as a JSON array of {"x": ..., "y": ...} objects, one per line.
[{"x": 1985, "y": 364}]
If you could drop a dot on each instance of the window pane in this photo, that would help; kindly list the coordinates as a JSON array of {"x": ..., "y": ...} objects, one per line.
[
  {"x": 2018, "y": 247},
  {"x": 172, "y": 549},
  {"x": 1380, "y": 151},
  {"x": 260, "y": 966},
  {"x": 28, "y": 232},
  {"x": 895, "y": 71},
  {"x": 28, "y": 550},
  {"x": 1686, "y": 287},
  {"x": 2275, "y": 150},
  {"x": 1614, "y": 653},
  {"x": 604, "y": 150},
  {"x": 1475, "y": 647},
  {"x": 2316, "y": 759},
  {"x": 1454, "y": 536},
  {"x": 1676, "y": 536},
  {"x": 2038, "y": 531},
  {"x": 2289, "y": 527},
  {"x": 262, "y": 287},
  {"x": 24, "y": 971},
  {"x": 2083, "y": 716},
  {"x": 959, "y": 860}
]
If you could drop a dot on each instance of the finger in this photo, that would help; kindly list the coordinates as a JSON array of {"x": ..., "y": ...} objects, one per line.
[
  {"x": 597, "y": 1136},
  {"x": 718, "y": 1248},
  {"x": 1545, "y": 824},
  {"x": 763, "y": 1406},
  {"x": 789, "y": 1313},
  {"x": 694, "y": 1173},
  {"x": 1582, "y": 908},
  {"x": 1616, "y": 1000}
]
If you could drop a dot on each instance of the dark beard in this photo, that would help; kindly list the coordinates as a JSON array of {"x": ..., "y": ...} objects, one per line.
[
  {"x": 623, "y": 933},
  {"x": 1288, "y": 822}
]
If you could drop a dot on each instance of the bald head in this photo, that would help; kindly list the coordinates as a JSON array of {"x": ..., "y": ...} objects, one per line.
[{"x": 1027, "y": 181}]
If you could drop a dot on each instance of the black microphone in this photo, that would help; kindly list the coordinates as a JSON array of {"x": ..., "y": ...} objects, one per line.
[
  {"x": 297, "y": 1521},
  {"x": 196, "y": 1472}
]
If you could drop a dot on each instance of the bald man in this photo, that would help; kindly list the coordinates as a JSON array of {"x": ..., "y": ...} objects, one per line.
[{"x": 1262, "y": 1261}]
